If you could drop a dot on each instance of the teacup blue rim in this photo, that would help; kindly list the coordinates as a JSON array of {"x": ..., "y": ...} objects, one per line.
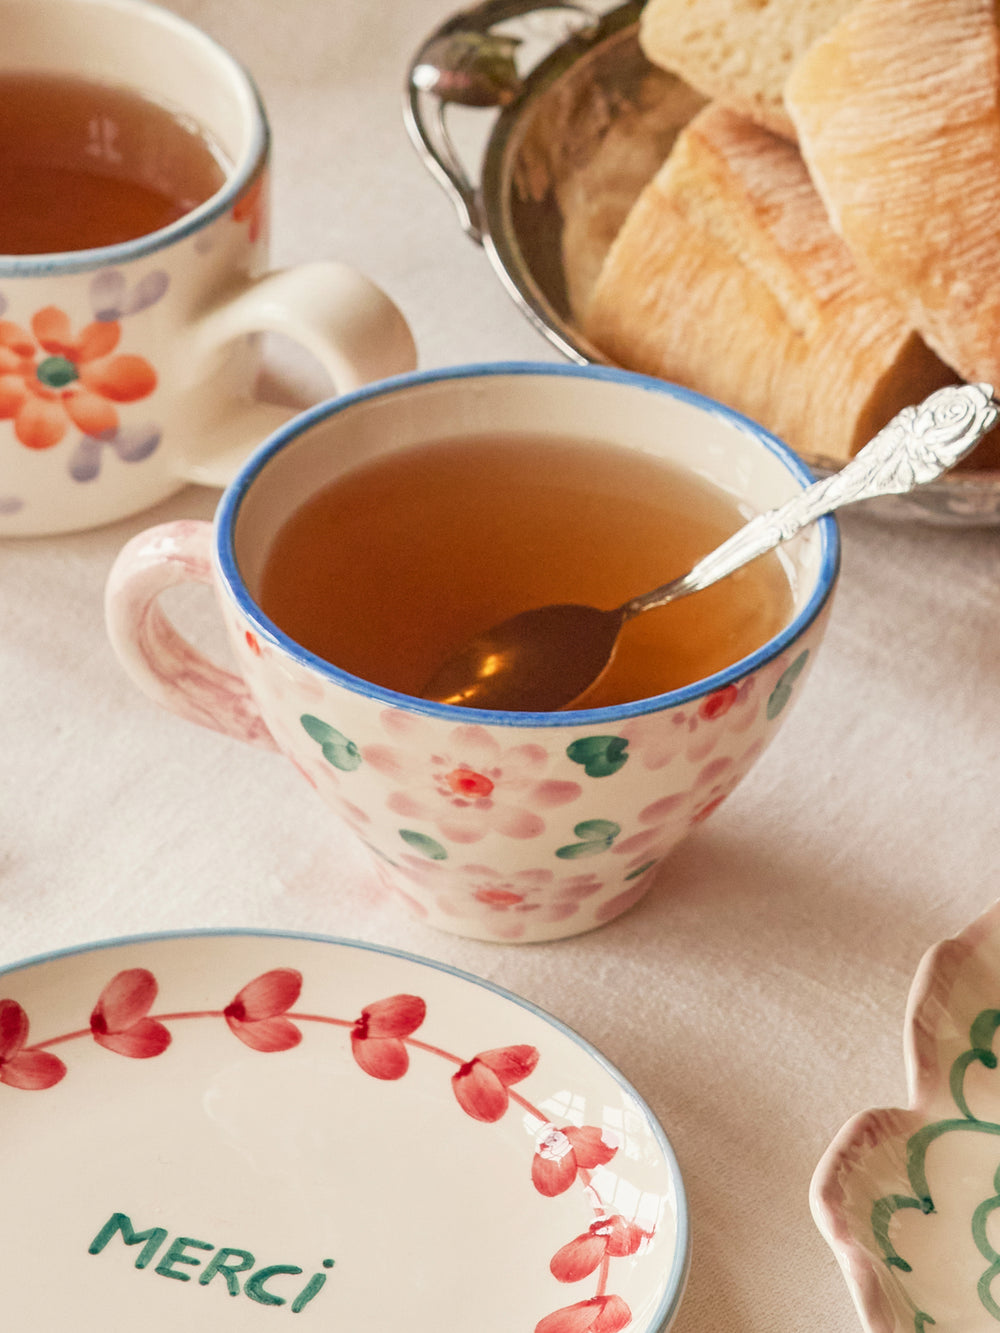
[
  {"x": 677, "y": 1278},
  {"x": 237, "y": 180},
  {"x": 232, "y": 499}
]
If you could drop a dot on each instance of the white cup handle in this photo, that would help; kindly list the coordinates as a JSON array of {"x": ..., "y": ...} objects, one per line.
[
  {"x": 156, "y": 656},
  {"x": 352, "y": 328}
]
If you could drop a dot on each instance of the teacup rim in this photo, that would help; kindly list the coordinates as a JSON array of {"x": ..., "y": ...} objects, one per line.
[
  {"x": 228, "y": 510},
  {"x": 238, "y": 178}
]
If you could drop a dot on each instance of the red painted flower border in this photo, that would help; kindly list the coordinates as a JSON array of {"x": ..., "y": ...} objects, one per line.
[{"x": 381, "y": 1037}]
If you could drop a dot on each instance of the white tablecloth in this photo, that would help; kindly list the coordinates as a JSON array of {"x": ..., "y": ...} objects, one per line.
[{"x": 756, "y": 996}]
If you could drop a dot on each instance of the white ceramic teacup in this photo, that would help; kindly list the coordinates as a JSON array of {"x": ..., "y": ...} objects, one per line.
[
  {"x": 505, "y": 826},
  {"x": 129, "y": 370}
]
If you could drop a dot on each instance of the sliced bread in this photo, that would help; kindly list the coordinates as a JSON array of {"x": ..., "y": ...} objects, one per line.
[
  {"x": 898, "y": 115},
  {"x": 595, "y": 197},
  {"x": 738, "y": 52},
  {"x": 728, "y": 278}
]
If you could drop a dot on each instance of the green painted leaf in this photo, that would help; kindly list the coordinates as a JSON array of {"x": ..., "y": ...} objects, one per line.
[
  {"x": 646, "y": 865},
  {"x": 426, "y": 846},
  {"x": 597, "y": 828},
  {"x": 596, "y": 835},
  {"x": 600, "y": 755},
  {"x": 782, "y": 692},
  {"x": 337, "y": 749}
]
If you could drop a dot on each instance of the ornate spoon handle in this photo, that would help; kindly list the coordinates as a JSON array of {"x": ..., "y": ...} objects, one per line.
[{"x": 917, "y": 445}]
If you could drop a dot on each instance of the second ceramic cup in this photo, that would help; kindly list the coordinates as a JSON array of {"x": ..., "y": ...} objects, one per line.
[{"x": 128, "y": 370}]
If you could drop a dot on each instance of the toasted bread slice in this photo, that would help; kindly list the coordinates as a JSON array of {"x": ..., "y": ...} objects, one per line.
[
  {"x": 898, "y": 115},
  {"x": 728, "y": 278},
  {"x": 737, "y": 52}
]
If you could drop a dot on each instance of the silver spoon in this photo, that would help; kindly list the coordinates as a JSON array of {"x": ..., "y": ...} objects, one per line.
[{"x": 545, "y": 659}]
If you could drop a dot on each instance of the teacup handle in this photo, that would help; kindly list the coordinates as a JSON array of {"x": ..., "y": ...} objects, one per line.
[
  {"x": 163, "y": 664},
  {"x": 352, "y": 328}
]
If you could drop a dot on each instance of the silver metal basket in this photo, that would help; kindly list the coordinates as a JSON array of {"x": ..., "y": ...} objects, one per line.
[{"x": 528, "y": 91}]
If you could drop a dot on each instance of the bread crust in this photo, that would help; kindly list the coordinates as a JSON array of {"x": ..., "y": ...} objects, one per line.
[
  {"x": 897, "y": 111},
  {"x": 727, "y": 277},
  {"x": 594, "y": 149},
  {"x": 737, "y": 52}
]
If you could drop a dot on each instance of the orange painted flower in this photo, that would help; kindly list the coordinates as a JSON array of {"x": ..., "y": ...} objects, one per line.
[{"x": 49, "y": 378}]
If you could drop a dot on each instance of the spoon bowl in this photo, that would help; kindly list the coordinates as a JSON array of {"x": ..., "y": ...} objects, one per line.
[
  {"x": 547, "y": 658},
  {"x": 511, "y": 665}
]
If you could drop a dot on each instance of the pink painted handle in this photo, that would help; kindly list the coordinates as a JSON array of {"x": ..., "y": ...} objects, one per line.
[{"x": 159, "y": 659}]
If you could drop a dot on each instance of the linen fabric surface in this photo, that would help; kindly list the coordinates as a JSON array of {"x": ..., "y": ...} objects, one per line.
[{"x": 755, "y": 997}]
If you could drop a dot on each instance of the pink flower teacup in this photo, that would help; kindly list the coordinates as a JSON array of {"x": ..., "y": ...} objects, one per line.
[{"x": 496, "y": 825}]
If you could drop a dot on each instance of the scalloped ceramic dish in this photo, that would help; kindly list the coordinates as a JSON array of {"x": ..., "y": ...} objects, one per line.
[
  {"x": 909, "y": 1200},
  {"x": 208, "y": 1131}
]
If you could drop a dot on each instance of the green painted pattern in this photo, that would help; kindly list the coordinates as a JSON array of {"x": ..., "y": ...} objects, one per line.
[
  {"x": 337, "y": 749},
  {"x": 979, "y": 1052},
  {"x": 596, "y": 835},
  {"x": 426, "y": 846},
  {"x": 600, "y": 756},
  {"x": 782, "y": 692}
]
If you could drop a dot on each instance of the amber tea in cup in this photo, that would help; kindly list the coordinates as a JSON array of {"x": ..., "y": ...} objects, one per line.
[
  {"x": 390, "y": 569},
  {"x": 85, "y": 164}
]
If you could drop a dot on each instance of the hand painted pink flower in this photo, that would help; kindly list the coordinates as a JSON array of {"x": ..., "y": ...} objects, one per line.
[
  {"x": 744, "y": 709},
  {"x": 521, "y": 890},
  {"x": 377, "y": 1038},
  {"x": 481, "y": 1084},
  {"x": 50, "y": 379},
  {"x": 719, "y": 703},
  {"x": 667, "y": 817},
  {"x": 720, "y": 779},
  {"x": 120, "y": 1021},
  {"x": 257, "y": 1014},
  {"x": 609, "y": 1237},
  {"x": 500, "y": 899},
  {"x": 709, "y": 807},
  {"x": 621, "y": 902},
  {"x": 601, "y": 1314},
  {"x": 578, "y": 887},
  {"x": 504, "y": 892},
  {"x": 472, "y": 785},
  {"x": 561, "y": 1153},
  {"x": 20, "y": 1067},
  {"x": 656, "y": 741}
]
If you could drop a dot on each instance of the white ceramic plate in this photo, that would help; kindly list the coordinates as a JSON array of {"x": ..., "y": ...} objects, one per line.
[
  {"x": 210, "y": 1131},
  {"x": 909, "y": 1200}
]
